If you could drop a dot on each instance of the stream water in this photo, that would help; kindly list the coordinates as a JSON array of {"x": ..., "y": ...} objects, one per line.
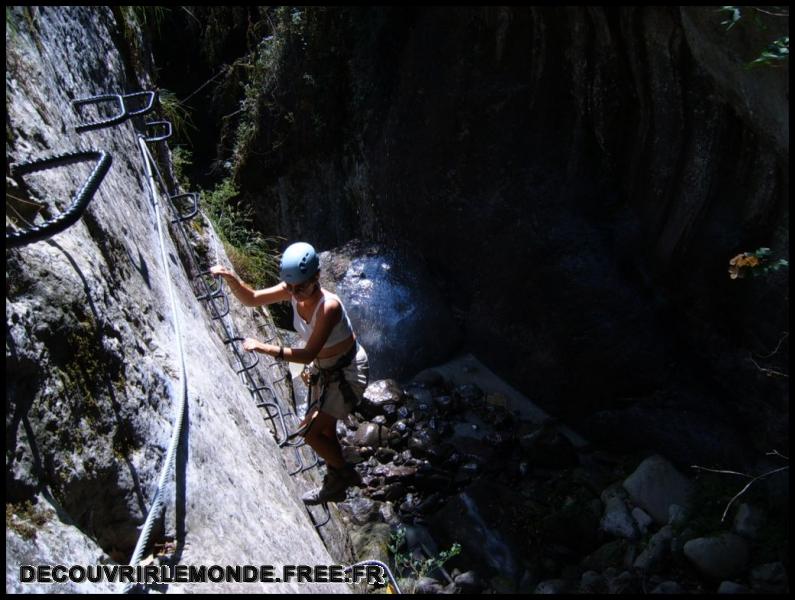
[{"x": 496, "y": 551}]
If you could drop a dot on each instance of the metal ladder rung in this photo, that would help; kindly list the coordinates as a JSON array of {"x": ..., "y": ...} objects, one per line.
[
  {"x": 214, "y": 286},
  {"x": 123, "y": 113},
  {"x": 150, "y": 103},
  {"x": 158, "y": 138},
  {"x": 245, "y": 367},
  {"x": 220, "y": 315},
  {"x": 327, "y": 515},
  {"x": 267, "y": 388},
  {"x": 193, "y": 212},
  {"x": 114, "y": 120}
]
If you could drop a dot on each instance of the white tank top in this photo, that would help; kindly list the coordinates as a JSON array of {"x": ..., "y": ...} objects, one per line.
[{"x": 342, "y": 330}]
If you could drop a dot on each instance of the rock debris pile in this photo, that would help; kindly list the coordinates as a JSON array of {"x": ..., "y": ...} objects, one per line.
[{"x": 453, "y": 464}]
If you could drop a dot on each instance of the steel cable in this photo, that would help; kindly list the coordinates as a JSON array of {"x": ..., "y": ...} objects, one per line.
[{"x": 170, "y": 461}]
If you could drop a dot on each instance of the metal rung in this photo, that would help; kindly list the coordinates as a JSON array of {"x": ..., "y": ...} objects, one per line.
[
  {"x": 158, "y": 138},
  {"x": 278, "y": 379},
  {"x": 79, "y": 203},
  {"x": 122, "y": 111},
  {"x": 299, "y": 470},
  {"x": 251, "y": 366},
  {"x": 215, "y": 280},
  {"x": 257, "y": 390},
  {"x": 193, "y": 196},
  {"x": 327, "y": 515},
  {"x": 299, "y": 459},
  {"x": 266, "y": 405},
  {"x": 150, "y": 103},
  {"x": 316, "y": 462},
  {"x": 114, "y": 120},
  {"x": 220, "y": 315},
  {"x": 256, "y": 356}
]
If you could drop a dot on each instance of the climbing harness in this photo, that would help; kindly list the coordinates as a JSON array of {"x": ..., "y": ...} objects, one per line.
[
  {"x": 323, "y": 378},
  {"x": 79, "y": 203}
]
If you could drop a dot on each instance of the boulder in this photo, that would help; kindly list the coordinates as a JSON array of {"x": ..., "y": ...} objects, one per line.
[
  {"x": 378, "y": 396},
  {"x": 720, "y": 557},
  {"x": 552, "y": 586},
  {"x": 469, "y": 582},
  {"x": 730, "y": 587},
  {"x": 361, "y": 509},
  {"x": 659, "y": 547},
  {"x": 668, "y": 587},
  {"x": 371, "y": 542},
  {"x": 624, "y": 583},
  {"x": 592, "y": 582},
  {"x": 370, "y": 434},
  {"x": 617, "y": 519},
  {"x": 643, "y": 520},
  {"x": 656, "y": 485}
]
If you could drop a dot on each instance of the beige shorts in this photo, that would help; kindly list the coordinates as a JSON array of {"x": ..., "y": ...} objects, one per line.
[{"x": 342, "y": 394}]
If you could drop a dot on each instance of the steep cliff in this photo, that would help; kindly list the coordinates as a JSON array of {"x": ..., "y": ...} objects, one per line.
[
  {"x": 577, "y": 180},
  {"x": 93, "y": 366}
]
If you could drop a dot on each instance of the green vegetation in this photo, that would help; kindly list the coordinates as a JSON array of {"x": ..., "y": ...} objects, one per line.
[
  {"x": 252, "y": 254},
  {"x": 258, "y": 93},
  {"x": 25, "y": 518},
  {"x": 774, "y": 54},
  {"x": 138, "y": 17},
  {"x": 177, "y": 113},
  {"x": 15, "y": 16},
  {"x": 277, "y": 108},
  {"x": 11, "y": 28},
  {"x": 778, "y": 50},
  {"x": 405, "y": 563},
  {"x": 181, "y": 161}
]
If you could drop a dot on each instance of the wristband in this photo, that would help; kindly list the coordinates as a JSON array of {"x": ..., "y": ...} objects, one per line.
[{"x": 281, "y": 353}]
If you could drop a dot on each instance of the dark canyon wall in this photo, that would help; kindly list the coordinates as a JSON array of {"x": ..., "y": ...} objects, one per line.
[{"x": 576, "y": 178}]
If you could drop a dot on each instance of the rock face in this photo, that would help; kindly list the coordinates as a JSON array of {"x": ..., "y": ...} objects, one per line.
[
  {"x": 92, "y": 366},
  {"x": 576, "y": 179},
  {"x": 397, "y": 312}
]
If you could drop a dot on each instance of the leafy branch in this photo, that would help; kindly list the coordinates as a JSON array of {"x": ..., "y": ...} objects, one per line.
[
  {"x": 749, "y": 484},
  {"x": 777, "y": 51},
  {"x": 418, "y": 567},
  {"x": 756, "y": 263}
]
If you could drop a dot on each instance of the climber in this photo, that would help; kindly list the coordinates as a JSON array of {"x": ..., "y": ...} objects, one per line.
[{"x": 339, "y": 370}]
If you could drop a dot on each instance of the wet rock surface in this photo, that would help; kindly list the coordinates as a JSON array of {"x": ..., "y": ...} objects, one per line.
[
  {"x": 394, "y": 305},
  {"x": 535, "y": 513}
]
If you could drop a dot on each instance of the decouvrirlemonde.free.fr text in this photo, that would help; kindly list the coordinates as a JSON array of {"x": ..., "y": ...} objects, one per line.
[{"x": 159, "y": 574}]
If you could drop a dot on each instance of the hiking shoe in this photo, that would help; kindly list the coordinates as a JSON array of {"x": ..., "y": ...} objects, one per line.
[
  {"x": 350, "y": 475},
  {"x": 319, "y": 496},
  {"x": 333, "y": 489}
]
